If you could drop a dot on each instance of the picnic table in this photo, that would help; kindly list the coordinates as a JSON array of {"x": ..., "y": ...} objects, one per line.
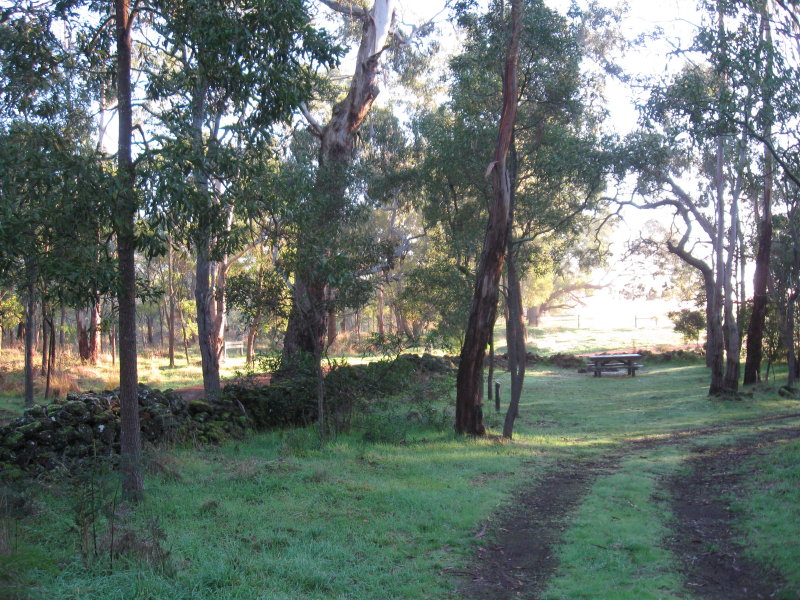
[{"x": 608, "y": 363}]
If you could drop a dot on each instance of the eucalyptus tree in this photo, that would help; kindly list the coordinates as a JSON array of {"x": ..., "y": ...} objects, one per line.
[
  {"x": 697, "y": 234},
  {"x": 124, "y": 219},
  {"x": 230, "y": 71},
  {"x": 734, "y": 90},
  {"x": 334, "y": 193},
  {"x": 480, "y": 323},
  {"x": 558, "y": 161}
]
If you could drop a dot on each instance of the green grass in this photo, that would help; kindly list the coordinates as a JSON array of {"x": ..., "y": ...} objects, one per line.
[
  {"x": 614, "y": 542},
  {"x": 565, "y": 335},
  {"x": 770, "y": 528},
  {"x": 277, "y": 516}
]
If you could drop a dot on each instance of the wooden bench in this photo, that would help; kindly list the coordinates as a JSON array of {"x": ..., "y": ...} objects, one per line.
[{"x": 233, "y": 346}]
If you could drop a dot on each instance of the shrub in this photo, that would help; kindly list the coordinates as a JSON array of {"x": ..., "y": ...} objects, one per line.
[{"x": 689, "y": 323}]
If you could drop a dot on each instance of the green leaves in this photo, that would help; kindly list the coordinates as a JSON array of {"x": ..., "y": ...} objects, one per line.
[{"x": 53, "y": 209}]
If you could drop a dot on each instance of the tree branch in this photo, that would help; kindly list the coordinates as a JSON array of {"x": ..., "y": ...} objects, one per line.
[
  {"x": 313, "y": 124},
  {"x": 406, "y": 39},
  {"x": 345, "y": 9}
]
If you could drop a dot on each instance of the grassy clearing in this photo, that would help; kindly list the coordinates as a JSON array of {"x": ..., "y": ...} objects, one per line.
[
  {"x": 276, "y": 516},
  {"x": 557, "y": 334},
  {"x": 568, "y": 334}
]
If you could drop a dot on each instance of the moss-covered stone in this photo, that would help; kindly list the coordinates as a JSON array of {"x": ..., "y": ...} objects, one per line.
[
  {"x": 85, "y": 424},
  {"x": 77, "y": 408},
  {"x": 199, "y": 406},
  {"x": 7, "y": 455},
  {"x": 37, "y": 411},
  {"x": 29, "y": 430}
]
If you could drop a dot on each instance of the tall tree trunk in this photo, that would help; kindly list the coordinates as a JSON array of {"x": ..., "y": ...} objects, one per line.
[
  {"x": 306, "y": 328},
  {"x": 712, "y": 332},
  {"x": 469, "y": 413},
  {"x": 203, "y": 294},
  {"x": 171, "y": 313},
  {"x": 112, "y": 342},
  {"x": 490, "y": 374},
  {"x": 162, "y": 310},
  {"x": 515, "y": 336},
  {"x": 51, "y": 354},
  {"x": 379, "y": 313},
  {"x": 148, "y": 321},
  {"x": 717, "y": 350},
  {"x": 82, "y": 328},
  {"x": 219, "y": 304},
  {"x": 717, "y": 385},
  {"x": 183, "y": 330},
  {"x": 130, "y": 435},
  {"x": 61, "y": 322},
  {"x": 95, "y": 333},
  {"x": 30, "y": 309},
  {"x": 45, "y": 339},
  {"x": 755, "y": 330},
  {"x": 205, "y": 302},
  {"x": 733, "y": 339}
]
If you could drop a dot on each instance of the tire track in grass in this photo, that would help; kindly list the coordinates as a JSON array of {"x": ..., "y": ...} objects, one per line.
[
  {"x": 713, "y": 564},
  {"x": 521, "y": 554}
]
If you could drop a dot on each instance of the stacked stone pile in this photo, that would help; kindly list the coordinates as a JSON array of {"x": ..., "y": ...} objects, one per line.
[{"x": 48, "y": 436}]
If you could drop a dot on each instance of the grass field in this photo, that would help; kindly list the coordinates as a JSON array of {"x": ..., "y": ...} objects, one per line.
[{"x": 276, "y": 516}]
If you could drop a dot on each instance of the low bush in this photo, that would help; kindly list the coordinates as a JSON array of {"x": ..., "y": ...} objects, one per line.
[{"x": 291, "y": 400}]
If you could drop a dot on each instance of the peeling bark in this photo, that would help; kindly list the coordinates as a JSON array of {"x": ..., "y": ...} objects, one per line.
[
  {"x": 469, "y": 411},
  {"x": 311, "y": 299}
]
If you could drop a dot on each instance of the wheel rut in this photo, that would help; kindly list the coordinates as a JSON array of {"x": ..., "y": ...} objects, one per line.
[
  {"x": 520, "y": 555},
  {"x": 713, "y": 564},
  {"x": 522, "y": 539}
]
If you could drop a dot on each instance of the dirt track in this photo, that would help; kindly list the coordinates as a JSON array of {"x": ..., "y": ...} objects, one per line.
[{"x": 522, "y": 552}]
